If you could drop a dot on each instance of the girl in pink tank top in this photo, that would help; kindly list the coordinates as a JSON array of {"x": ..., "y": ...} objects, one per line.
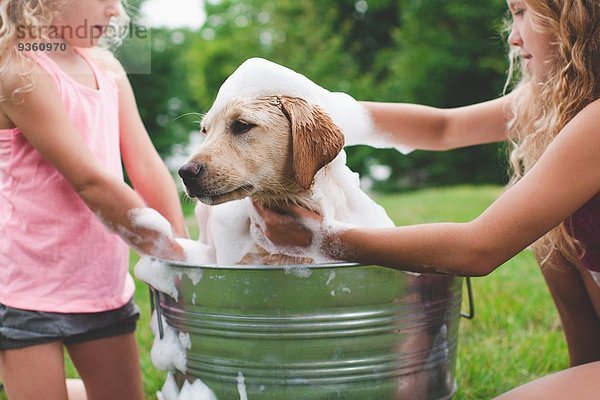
[{"x": 68, "y": 119}]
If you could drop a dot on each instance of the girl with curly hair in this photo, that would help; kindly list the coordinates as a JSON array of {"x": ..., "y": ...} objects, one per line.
[{"x": 552, "y": 203}]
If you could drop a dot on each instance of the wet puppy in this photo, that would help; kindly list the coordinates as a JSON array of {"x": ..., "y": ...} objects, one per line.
[{"x": 273, "y": 148}]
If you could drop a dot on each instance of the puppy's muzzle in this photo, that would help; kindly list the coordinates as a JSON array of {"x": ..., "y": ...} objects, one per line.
[{"x": 190, "y": 172}]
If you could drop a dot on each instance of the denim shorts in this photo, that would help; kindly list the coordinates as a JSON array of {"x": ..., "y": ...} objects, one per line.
[{"x": 21, "y": 328}]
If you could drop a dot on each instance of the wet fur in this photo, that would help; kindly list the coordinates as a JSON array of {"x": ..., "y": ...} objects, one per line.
[{"x": 279, "y": 157}]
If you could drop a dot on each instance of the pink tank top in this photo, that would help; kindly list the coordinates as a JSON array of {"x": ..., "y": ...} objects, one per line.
[{"x": 55, "y": 255}]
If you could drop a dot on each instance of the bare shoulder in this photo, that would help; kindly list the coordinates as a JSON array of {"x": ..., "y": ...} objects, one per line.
[
  {"x": 19, "y": 75},
  {"x": 591, "y": 111},
  {"x": 585, "y": 125},
  {"x": 22, "y": 79}
]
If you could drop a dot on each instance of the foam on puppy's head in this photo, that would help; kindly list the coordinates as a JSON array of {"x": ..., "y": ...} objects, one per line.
[{"x": 257, "y": 77}]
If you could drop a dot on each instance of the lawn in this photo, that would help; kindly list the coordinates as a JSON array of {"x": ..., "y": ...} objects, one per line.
[{"x": 515, "y": 336}]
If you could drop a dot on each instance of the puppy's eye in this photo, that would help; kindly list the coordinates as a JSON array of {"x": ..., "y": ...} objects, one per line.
[
  {"x": 203, "y": 130},
  {"x": 239, "y": 127}
]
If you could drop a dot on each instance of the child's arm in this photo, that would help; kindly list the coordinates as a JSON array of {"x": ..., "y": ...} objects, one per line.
[
  {"x": 147, "y": 172},
  {"x": 430, "y": 128},
  {"x": 45, "y": 124}
]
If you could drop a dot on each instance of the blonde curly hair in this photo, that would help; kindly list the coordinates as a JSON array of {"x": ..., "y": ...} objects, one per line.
[
  {"x": 36, "y": 14},
  {"x": 543, "y": 109}
]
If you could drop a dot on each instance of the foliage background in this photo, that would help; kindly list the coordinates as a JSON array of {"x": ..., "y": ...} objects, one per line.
[{"x": 435, "y": 52}]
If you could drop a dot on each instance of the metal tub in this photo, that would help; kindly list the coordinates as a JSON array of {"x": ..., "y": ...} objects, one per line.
[{"x": 322, "y": 331}]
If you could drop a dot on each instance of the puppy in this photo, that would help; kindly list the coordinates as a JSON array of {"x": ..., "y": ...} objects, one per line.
[{"x": 273, "y": 144}]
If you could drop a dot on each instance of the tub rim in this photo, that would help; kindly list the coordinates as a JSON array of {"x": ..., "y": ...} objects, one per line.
[{"x": 334, "y": 264}]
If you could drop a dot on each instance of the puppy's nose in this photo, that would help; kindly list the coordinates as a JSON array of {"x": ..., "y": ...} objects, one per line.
[{"x": 190, "y": 170}]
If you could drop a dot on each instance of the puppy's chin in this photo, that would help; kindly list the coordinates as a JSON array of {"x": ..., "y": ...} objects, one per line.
[{"x": 213, "y": 199}]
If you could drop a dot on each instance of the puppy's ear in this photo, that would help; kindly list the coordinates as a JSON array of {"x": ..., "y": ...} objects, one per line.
[{"x": 316, "y": 139}]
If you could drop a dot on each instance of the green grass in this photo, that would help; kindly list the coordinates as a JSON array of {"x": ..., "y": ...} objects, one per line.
[{"x": 515, "y": 336}]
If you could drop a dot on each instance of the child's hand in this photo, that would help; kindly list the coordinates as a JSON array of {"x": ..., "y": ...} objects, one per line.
[
  {"x": 172, "y": 250},
  {"x": 286, "y": 225},
  {"x": 151, "y": 234},
  {"x": 155, "y": 243}
]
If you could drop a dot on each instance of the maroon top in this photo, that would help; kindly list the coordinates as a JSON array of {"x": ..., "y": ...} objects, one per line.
[{"x": 586, "y": 226}]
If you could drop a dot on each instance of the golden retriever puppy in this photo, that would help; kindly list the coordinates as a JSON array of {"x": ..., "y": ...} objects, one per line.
[{"x": 272, "y": 147}]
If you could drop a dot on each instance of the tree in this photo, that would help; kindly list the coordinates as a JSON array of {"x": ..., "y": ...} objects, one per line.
[
  {"x": 164, "y": 96},
  {"x": 444, "y": 54}
]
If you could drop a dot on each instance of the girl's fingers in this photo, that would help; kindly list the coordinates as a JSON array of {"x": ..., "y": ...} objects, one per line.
[
  {"x": 292, "y": 210},
  {"x": 273, "y": 210},
  {"x": 284, "y": 225},
  {"x": 298, "y": 211}
]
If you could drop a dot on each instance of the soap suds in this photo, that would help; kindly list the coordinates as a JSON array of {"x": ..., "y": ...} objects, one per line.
[
  {"x": 157, "y": 274},
  {"x": 149, "y": 218},
  {"x": 241, "y": 385},
  {"x": 298, "y": 270},
  {"x": 168, "y": 353},
  {"x": 169, "y": 391},
  {"x": 196, "y": 391},
  {"x": 330, "y": 278}
]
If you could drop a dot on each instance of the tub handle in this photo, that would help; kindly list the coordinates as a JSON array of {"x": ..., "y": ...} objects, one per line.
[
  {"x": 155, "y": 304},
  {"x": 471, "y": 312}
]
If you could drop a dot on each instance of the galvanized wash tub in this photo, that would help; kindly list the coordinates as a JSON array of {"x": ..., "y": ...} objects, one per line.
[{"x": 318, "y": 331}]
